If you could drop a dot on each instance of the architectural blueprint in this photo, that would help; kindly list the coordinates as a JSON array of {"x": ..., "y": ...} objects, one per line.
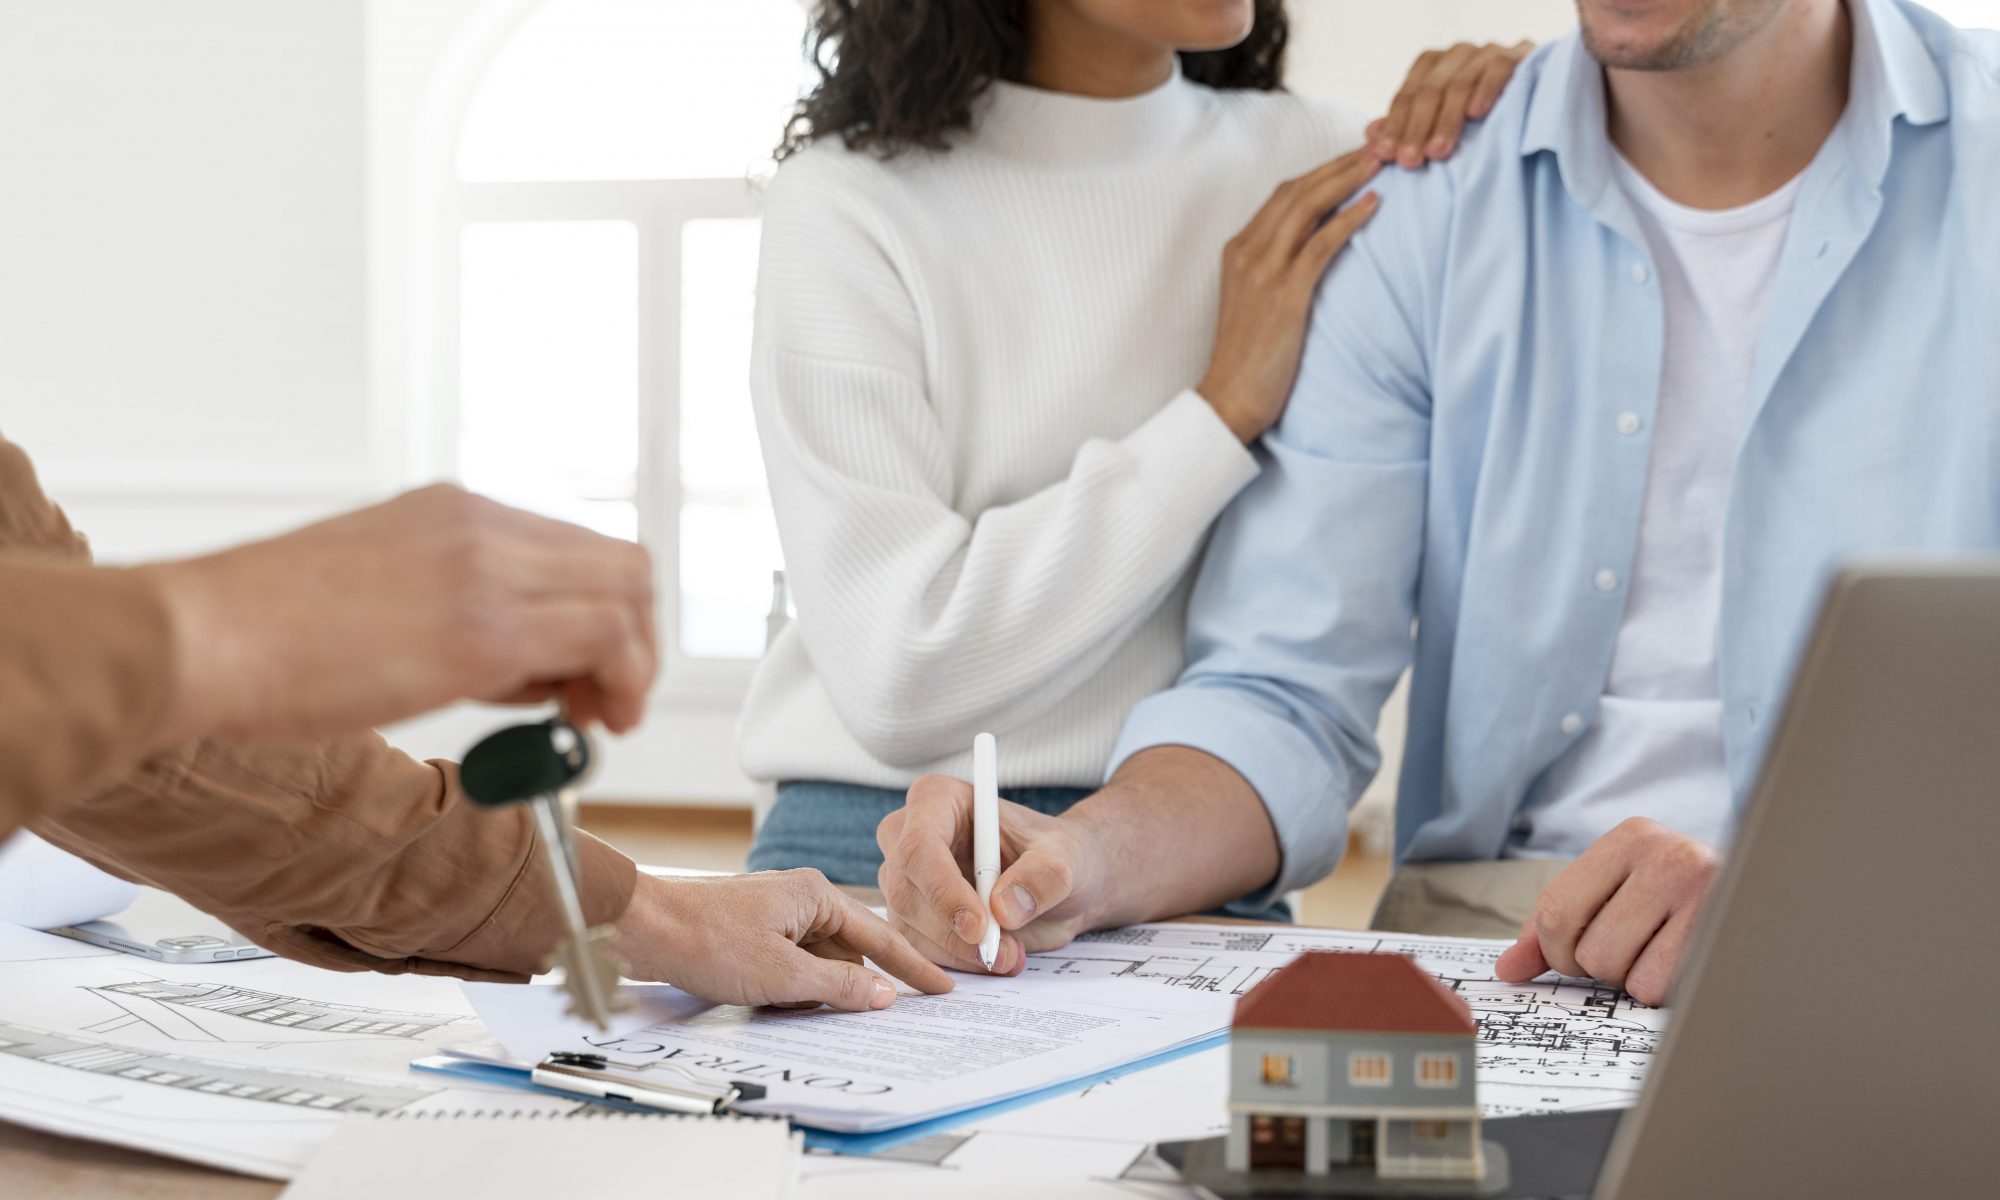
[
  {"x": 246, "y": 1065},
  {"x": 1550, "y": 1046}
]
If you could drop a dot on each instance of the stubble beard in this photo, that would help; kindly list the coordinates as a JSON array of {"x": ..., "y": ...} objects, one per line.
[{"x": 1702, "y": 38}]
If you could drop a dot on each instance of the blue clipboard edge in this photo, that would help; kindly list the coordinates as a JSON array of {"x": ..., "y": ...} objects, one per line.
[{"x": 857, "y": 1144}]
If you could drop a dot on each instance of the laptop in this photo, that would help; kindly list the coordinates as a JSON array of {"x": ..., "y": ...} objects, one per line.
[{"x": 1835, "y": 1030}]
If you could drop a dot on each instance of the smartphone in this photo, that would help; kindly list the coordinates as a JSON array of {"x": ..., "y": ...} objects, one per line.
[{"x": 165, "y": 928}]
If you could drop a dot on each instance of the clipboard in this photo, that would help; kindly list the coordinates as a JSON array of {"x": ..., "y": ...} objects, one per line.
[{"x": 608, "y": 1086}]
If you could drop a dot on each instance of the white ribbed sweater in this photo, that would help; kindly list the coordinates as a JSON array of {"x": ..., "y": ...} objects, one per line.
[{"x": 971, "y": 373}]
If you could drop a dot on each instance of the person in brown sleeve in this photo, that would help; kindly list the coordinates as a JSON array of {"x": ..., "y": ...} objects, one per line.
[{"x": 192, "y": 725}]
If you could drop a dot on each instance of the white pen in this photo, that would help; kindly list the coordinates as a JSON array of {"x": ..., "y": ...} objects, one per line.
[{"x": 986, "y": 838}]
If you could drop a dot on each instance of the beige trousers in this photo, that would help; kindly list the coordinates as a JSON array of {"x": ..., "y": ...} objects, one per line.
[{"x": 1465, "y": 899}]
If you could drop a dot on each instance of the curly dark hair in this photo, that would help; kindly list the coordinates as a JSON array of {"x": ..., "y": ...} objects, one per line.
[{"x": 901, "y": 74}]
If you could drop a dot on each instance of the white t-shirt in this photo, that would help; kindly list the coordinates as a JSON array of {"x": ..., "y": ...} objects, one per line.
[{"x": 1655, "y": 748}]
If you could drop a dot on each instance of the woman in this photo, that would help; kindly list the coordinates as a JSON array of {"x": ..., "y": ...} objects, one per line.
[{"x": 1001, "y": 387}]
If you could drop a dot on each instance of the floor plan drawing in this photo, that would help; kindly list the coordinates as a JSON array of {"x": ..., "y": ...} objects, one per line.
[
  {"x": 1550, "y": 1045},
  {"x": 1559, "y": 1026}
]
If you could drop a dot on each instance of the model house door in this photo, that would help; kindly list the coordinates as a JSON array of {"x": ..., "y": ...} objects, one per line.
[
  {"x": 1361, "y": 1144},
  {"x": 1277, "y": 1143}
]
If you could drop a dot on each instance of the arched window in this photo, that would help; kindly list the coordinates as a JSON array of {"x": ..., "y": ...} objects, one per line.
[{"x": 602, "y": 218}]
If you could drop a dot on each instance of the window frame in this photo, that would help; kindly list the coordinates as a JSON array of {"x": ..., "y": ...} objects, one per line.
[
  {"x": 658, "y": 211},
  {"x": 1279, "y": 1070},
  {"x": 1430, "y": 1061},
  {"x": 1357, "y": 1059},
  {"x": 1430, "y": 1132}
]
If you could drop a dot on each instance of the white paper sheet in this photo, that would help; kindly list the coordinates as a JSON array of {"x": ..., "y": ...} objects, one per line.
[
  {"x": 42, "y": 887},
  {"x": 523, "y": 1018},
  {"x": 924, "y": 1056},
  {"x": 247, "y": 1065}
]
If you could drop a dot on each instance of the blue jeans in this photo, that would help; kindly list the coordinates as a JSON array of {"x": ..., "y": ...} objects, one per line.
[{"x": 831, "y": 826}]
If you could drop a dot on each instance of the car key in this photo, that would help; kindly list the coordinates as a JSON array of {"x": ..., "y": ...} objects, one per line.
[{"x": 542, "y": 765}]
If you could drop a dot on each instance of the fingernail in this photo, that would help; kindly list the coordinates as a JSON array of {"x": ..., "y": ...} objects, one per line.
[
  {"x": 967, "y": 925},
  {"x": 1440, "y": 147},
  {"x": 1024, "y": 904},
  {"x": 1412, "y": 158},
  {"x": 884, "y": 995}
]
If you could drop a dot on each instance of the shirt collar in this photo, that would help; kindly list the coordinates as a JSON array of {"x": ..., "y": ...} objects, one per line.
[
  {"x": 1060, "y": 129},
  {"x": 1894, "y": 75}
]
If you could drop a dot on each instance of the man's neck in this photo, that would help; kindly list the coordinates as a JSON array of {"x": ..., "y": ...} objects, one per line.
[{"x": 1735, "y": 129}]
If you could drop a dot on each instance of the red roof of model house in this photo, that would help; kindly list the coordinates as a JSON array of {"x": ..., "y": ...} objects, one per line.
[{"x": 1353, "y": 993}]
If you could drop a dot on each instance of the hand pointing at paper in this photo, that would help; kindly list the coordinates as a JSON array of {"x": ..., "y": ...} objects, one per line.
[{"x": 772, "y": 938}]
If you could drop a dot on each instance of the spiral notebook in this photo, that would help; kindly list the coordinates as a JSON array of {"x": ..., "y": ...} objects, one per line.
[{"x": 545, "y": 1155}]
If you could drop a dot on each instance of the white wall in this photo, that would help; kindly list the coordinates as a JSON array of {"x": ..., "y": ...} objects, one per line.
[
  {"x": 1357, "y": 51},
  {"x": 182, "y": 269}
]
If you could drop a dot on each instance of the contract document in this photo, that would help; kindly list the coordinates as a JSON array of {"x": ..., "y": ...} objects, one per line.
[{"x": 991, "y": 1039}]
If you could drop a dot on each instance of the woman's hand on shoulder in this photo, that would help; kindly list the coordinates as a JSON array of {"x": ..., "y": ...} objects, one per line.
[
  {"x": 1271, "y": 269},
  {"x": 1445, "y": 89},
  {"x": 784, "y": 938},
  {"x": 1269, "y": 273}
]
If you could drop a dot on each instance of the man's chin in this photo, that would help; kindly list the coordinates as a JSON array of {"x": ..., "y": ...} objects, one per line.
[
  {"x": 1648, "y": 37},
  {"x": 1631, "y": 54}
]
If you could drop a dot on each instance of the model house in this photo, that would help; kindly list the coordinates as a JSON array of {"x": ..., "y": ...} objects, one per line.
[{"x": 1352, "y": 1060}]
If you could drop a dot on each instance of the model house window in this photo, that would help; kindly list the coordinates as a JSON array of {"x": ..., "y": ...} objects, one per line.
[
  {"x": 1437, "y": 1070},
  {"x": 1430, "y": 1131},
  {"x": 603, "y": 215},
  {"x": 1278, "y": 1070},
  {"x": 1368, "y": 1070}
]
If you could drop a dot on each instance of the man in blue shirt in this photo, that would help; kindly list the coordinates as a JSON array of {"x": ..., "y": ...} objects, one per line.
[{"x": 1705, "y": 306}]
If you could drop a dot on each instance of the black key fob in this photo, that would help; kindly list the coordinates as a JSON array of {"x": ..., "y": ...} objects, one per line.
[{"x": 522, "y": 762}]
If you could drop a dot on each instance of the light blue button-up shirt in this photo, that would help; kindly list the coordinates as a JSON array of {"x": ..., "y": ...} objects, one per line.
[{"x": 1465, "y": 452}]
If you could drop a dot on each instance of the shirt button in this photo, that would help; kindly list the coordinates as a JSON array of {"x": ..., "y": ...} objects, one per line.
[
  {"x": 1639, "y": 273},
  {"x": 1571, "y": 723},
  {"x": 1629, "y": 423},
  {"x": 1606, "y": 580}
]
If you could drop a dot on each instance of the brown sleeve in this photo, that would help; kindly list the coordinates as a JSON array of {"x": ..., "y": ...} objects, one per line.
[
  {"x": 85, "y": 656},
  {"x": 86, "y": 664},
  {"x": 345, "y": 853}
]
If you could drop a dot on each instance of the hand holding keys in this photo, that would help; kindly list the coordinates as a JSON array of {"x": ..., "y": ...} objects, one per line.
[{"x": 542, "y": 764}]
